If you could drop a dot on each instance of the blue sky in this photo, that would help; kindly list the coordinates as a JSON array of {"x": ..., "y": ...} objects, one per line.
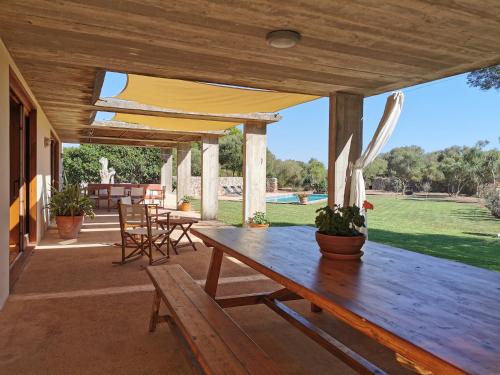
[{"x": 435, "y": 115}]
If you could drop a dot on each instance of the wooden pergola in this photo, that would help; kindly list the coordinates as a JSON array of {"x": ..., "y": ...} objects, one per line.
[
  {"x": 140, "y": 135},
  {"x": 348, "y": 51}
]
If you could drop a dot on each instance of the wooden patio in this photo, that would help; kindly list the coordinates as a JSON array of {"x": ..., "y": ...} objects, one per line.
[
  {"x": 73, "y": 312},
  {"x": 87, "y": 316}
]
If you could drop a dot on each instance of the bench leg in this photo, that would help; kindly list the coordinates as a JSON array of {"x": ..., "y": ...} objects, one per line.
[{"x": 154, "y": 312}]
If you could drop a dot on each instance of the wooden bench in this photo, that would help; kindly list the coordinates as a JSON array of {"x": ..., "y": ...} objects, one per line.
[{"x": 215, "y": 343}]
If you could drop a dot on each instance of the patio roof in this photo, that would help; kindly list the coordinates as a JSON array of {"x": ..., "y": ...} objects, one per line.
[{"x": 345, "y": 46}]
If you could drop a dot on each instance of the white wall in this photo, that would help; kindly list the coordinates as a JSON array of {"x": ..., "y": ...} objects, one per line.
[{"x": 43, "y": 167}]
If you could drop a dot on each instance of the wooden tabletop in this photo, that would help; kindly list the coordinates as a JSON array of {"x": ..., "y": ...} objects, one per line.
[
  {"x": 442, "y": 315},
  {"x": 177, "y": 220}
]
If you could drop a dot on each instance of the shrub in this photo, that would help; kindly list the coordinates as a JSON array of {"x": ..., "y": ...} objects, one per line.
[
  {"x": 492, "y": 199},
  {"x": 340, "y": 221},
  {"x": 70, "y": 202},
  {"x": 259, "y": 218}
]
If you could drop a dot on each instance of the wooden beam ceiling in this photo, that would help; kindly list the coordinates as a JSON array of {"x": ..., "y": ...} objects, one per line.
[
  {"x": 126, "y": 106},
  {"x": 362, "y": 47},
  {"x": 131, "y": 134}
]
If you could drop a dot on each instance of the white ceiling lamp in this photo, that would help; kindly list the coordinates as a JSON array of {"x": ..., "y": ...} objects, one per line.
[{"x": 283, "y": 38}]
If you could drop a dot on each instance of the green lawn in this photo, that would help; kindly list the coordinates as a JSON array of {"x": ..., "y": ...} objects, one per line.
[{"x": 464, "y": 232}]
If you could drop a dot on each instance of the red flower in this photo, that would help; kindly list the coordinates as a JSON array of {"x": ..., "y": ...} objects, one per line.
[{"x": 367, "y": 205}]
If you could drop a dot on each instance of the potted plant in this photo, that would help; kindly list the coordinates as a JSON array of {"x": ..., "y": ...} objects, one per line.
[
  {"x": 303, "y": 197},
  {"x": 186, "y": 203},
  {"x": 338, "y": 236},
  {"x": 258, "y": 220},
  {"x": 69, "y": 206}
]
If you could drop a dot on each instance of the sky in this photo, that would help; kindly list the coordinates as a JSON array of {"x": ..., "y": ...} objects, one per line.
[{"x": 435, "y": 115}]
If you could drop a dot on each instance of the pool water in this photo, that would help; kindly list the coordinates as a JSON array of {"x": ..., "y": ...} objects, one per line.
[{"x": 293, "y": 198}]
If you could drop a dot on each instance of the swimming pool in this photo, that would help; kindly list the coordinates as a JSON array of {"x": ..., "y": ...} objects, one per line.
[{"x": 293, "y": 198}]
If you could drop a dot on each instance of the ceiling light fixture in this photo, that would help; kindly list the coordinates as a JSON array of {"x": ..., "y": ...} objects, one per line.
[{"x": 283, "y": 38}]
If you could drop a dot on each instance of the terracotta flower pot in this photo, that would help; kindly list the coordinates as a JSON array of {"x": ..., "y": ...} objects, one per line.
[
  {"x": 185, "y": 206},
  {"x": 339, "y": 247},
  {"x": 253, "y": 225},
  {"x": 303, "y": 200},
  {"x": 69, "y": 226}
]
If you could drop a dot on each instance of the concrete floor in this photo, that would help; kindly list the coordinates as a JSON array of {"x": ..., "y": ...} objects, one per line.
[{"x": 74, "y": 312}]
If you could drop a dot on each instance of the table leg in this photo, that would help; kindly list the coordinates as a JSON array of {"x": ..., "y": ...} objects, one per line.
[{"x": 213, "y": 272}]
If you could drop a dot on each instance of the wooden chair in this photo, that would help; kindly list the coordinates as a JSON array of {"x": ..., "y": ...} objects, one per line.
[
  {"x": 156, "y": 195},
  {"x": 93, "y": 193},
  {"x": 115, "y": 192},
  {"x": 137, "y": 232},
  {"x": 137, "y": 194}
]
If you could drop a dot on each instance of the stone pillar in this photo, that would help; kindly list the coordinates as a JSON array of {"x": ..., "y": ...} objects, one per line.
[
  {"x": 166, "y": 169},
  {"x": 183, "y": 170},
  {"x": 344, "y": 146},
  {"x": 254, "y": 169},
  {"x": 209, "y": 177}
]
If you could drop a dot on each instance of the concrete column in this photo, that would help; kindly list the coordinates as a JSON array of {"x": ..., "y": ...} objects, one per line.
[
  {"x": 183, "y": 170},
  {"x": 344, "y": 146},
  {"x": 254, "y": 169},
  {"x": 166, "y": 169},
  {"x": 209, "y": 177}
]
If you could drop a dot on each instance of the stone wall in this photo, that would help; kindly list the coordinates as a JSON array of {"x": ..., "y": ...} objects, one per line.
[{"x": 271, "y": 184}]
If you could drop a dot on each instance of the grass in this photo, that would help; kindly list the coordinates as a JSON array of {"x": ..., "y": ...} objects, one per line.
[{"x": 464, "y": 232}]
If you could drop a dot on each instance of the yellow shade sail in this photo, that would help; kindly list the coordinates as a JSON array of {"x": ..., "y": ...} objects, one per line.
[
  {"x": 174, "y": 124},
  {"x": 199, "y": 97},
  {"x": 204, "y": 97}
]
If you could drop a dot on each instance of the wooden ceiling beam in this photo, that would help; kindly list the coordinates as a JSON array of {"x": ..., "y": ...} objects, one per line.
[
  {"x": 96, "y": 93},
  {"x": 131, "y": 107},
  {"x": 131, "y": 142},
  {"x": 144, "y": 128}
]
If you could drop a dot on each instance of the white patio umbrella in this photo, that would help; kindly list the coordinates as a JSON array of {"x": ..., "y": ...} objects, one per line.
[{"x": 384, "y": 131}]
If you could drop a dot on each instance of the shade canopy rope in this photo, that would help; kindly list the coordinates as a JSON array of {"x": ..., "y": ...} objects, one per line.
[
  {"x": 199, "y": 97},
  {"x": 387, "y": 124}
]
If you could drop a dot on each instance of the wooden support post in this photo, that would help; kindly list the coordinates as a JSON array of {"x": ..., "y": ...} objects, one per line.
[
  {"x": 209, "y": 177},
  {"x": 183, "y": 170},
  {"x": 254, "y": 169},
  {"x": 166, "y": 169},
  {"x": 344, "y": 146}
]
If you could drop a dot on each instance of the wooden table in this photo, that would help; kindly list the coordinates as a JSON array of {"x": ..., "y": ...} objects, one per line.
[
  {"x": 184, "y": 223},
  {"x": 437, "y": 315}
]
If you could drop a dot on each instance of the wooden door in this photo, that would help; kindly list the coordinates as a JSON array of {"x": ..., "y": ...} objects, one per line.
[{"x": 16, "y": 179}]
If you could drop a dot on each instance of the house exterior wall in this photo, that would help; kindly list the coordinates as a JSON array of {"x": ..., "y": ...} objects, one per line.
[{"x": 43, "y": 166}]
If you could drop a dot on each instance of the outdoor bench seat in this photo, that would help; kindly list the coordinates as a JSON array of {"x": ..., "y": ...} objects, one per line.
[{"x": 214, "y": 343}]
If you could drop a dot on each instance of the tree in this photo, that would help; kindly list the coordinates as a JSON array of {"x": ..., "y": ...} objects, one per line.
[
  {"x": 431, "y": 174},
  {"x": 452, "y": 164},
  {"x": 492, "y": 165},
  {"x": 290, "y": 173},
  {"x": 485, "y": 79},
  {"x": 474, "y": 159},
  {"x": 231, "y": 152},
  {"x": 377, "y": 168},
  {"x": 315, "y": 174},
  {"x": 270, "y": 164},
  {"x": 132, "y": 164},
  {"x": 406, "y": 163}
]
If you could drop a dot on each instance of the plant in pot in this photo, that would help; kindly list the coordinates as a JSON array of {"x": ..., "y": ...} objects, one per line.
[
  {"x": 69, "y": 206},
  {"x": 258, "y": 220},
  {"x": 186, "y": 203},
  {"x": 303, "y": 197},
  {"x": 338, "y": 236}
]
